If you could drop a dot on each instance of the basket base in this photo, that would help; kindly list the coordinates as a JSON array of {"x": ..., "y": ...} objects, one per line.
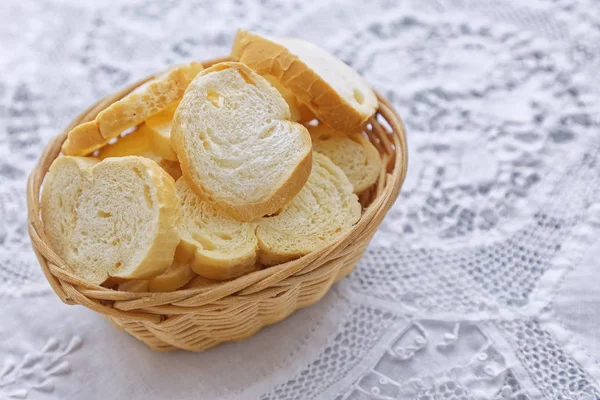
[{"x": 201, "y": 331}]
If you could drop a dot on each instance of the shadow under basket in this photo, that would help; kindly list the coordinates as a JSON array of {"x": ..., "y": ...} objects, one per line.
[{"x": 200, "y": 318}]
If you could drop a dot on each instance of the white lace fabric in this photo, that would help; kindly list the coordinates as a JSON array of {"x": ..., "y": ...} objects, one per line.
[{"x": 482, "y": 282}]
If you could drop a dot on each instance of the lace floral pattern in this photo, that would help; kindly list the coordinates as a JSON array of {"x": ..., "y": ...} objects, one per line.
[
  {"x": 37, "y": 370},
  {"x": 344, "y": 351},
  {"x": 475, "y": 165},
  {"x": 556, "y": 374},
  {"x": 501, "y": 102}
]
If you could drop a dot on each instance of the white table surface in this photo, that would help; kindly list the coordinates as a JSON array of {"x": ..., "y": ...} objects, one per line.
[{"x": 483, "y": 281}]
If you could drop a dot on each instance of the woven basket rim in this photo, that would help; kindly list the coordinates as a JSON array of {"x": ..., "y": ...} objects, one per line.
[{"x": 73, "y": 290}]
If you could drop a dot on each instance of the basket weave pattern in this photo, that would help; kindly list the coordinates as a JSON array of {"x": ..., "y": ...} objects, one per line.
[{"x": 197, "y": 319}]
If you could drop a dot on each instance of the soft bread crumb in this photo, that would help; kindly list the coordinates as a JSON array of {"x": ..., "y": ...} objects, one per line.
[{"x": 237, "y": 147}]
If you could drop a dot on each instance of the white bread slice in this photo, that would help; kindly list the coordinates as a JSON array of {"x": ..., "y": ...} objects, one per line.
[
  {"x": 136, "y": 143},
  {"x": 139, "y": 143},
  {"x": 139, "y": 105},
  {"x": 175, "y": 277},
  {"x": 324, "y": 209},
  {"x": 354, "y": 154},
  {"x": 159, "y": 127},
  {"x": 217, "y": 246},
  {"x": 237, "y": 147},
  {"x": 115, "y": 217},
  {"x": 333, "y": 91}
]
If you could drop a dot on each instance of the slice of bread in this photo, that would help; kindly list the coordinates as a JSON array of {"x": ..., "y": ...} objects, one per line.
[
  {"x": 200, "y": 282},
  {"x": 139, "y": 143},
  {"x": 136, "y": 143},
  {"x": 84, "y": 139},
  {"x": 159, "y": 127},
  {"x": 172, "y": 167},
  {"x": 333, "y": 91},
  {"x": 324, "y": 209},
  {"x": 146, "y": 100},
  {"x": 237, "y": 147},
  {"x": 354, "y": 154},
  {"x": 63, "y": 185},
  {"x": 217, "y": 246},
  {"x": 115, "y": 217},
  {"x": 299, "y": 112},
  {"x": 175, "y": 277}
]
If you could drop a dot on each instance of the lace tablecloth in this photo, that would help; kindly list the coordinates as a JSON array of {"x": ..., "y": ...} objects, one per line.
[{"x": 483, "y": 281}]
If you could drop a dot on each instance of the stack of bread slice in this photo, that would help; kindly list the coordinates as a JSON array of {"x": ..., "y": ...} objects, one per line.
[{"x": 204, "y": 175}]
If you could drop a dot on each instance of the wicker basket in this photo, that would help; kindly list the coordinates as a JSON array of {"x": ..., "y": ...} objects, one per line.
[{"x": 197, "y": 319}]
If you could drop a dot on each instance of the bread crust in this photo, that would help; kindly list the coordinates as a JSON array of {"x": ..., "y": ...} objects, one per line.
[
  {"x": 200, "y": 282},
  {"x": 159, "y": 128},
  {"x": 175, "y": 277},
  {"x": 161, "y": 253},
  {"x": 139, "y": 143},
  {"x": 172, "y": 168},
  {"x": 136, "y": 143},
  {"x": 269, "y": 58},
  {"x": 83, "y": 139}
]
